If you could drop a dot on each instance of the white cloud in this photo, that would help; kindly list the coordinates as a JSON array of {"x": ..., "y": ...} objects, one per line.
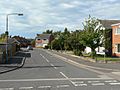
[
  {"x": 65, "y": 5},
  {"x": 71, "y": 4},
  {"x": 55, "y": 14}
]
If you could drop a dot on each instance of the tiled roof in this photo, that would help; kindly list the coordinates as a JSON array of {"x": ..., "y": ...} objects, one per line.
[
  {"x": 43, "y": 36},
  {"x": 107, "y": 23}
]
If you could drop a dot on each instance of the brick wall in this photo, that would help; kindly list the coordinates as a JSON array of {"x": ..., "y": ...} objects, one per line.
[{"x": 115, "y": 40}]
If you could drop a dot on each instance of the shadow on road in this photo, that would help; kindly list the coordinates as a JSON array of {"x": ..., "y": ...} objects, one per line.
[
  {"x": 40, "y": 66},
  {"x": 24, "y": 54}
]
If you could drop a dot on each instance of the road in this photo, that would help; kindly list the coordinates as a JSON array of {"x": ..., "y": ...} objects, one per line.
[{"x": 44, "y": 70}]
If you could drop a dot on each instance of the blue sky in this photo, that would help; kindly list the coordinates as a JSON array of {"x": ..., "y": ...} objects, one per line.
[{"x": 40, "y": 15}]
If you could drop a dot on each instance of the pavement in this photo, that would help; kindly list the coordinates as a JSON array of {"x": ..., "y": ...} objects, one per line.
[{"x": 13, "y": 63}]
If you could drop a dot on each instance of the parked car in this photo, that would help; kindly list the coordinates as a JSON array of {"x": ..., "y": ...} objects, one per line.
[{"x": 29, "y": 48}]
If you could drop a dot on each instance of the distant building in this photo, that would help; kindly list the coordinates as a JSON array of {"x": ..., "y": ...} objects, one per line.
[
  {"x": 42, "y": 40},
  {"x": 23, "y": 41},
  {"x": 116, "y": 39}
]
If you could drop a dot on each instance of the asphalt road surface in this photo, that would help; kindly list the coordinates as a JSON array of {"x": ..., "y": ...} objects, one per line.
[{"x": 44, "y": 70}]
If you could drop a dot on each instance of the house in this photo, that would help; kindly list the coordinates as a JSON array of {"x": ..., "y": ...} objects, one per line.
[
  {"x": 116, "y": 39},
  {"x": 108, "y": 34},
  {"x": 42, "y": 40},
  {"x": 23, "y": 41},
  {"x": 11, "y": 48}
]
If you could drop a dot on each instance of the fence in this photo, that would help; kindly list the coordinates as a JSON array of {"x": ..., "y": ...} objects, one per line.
[{"x": 11, "y": 50}]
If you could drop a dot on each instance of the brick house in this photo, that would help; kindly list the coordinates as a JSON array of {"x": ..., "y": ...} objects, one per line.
[
  {"x": 22, "y": 40},
  {"x": 109, "y": 34},
  {"x": 42, "y": 40},
  {"x": 109, "y": 37},
  {"x": 116, "y": 39}
]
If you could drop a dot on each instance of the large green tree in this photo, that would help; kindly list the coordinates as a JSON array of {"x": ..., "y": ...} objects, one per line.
[
  {"x": 76, "y": 43},
  {"x": 92, "y": 35}
]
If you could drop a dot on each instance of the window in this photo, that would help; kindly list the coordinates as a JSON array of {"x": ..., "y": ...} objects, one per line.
[
  {"x": 117, "y": 30},
  {"x": 118, "y": 48},
  {"x": 38, "y": 39}
]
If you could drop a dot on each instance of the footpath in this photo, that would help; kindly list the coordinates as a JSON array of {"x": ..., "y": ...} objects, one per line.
[
  {"x": 101, "y": 66},
  {"x": 13, "y": 63}
]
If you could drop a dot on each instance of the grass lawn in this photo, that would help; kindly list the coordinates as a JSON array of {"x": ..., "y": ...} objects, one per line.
[
  {"x": 102, "y": 58},
  {"x": 109, "y": 58}
]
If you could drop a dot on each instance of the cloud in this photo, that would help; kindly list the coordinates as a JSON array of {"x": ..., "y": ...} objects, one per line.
[
  {"x": 40, "y": 15},
  {"x": 70, "y": 4},
  {"x": 65, "y": 5}
]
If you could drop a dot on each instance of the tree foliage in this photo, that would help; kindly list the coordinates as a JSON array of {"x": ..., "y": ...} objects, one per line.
[
  {"x": 3, "y": 37},
  {"x": 68, "y": 41},
  {"x": 92, "y": 35},
  {"x": 48, "y": 32}
]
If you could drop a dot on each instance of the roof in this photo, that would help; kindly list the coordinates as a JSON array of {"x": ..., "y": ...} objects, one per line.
[
  {"x": 10, "y": 41},
  {"x": 107, "y": 23},
  {"x": 21, "y": 39},
  {"x": 43, "y": 36},
  {"x": 115, "y": 24}
]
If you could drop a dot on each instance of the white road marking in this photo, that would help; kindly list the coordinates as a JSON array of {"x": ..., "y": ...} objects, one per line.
[
  {"x": 42, "y": 56},
  {"x": 52, "y": 64},
  {"x": 80, "y": 84},
  {"x": 6, "y": 88},
  {"x": 114, "y": 83},
  {"x": 111, "y": 81},
  {"x": 44, "y": 86},
  {"x": 67, "y": 78},
  {"x": 60, "y": 86},
  {"x": 47, "y": 60},
  {"x": 55, "y": 67},
  {"x": 93, "y": 81},
  {"x": 63, "y": 75},
  {"x": 97, "y": 84},
  {"x": 25, "y": 87},
  {"x": 51, "y": 79}
]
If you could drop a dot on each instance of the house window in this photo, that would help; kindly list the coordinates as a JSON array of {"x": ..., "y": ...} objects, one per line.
[
  {"x": 44, "y": 39},
  {"x": 118, "y": 48},
  {"x": 117, "y": 30},
  {"x": 38, "y": 39}
]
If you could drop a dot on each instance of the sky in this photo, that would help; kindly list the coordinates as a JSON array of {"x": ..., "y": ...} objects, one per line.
[{"x": 40, "y": 15}]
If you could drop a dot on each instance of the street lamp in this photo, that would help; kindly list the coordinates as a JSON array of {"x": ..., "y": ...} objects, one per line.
[{"x": 7, "y": 33}]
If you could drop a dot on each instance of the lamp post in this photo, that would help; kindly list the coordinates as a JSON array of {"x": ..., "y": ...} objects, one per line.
[{"x": 7, "y": 33}]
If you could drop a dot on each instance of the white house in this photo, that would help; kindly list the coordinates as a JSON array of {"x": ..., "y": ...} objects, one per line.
[{"x": 42, "y": 40}]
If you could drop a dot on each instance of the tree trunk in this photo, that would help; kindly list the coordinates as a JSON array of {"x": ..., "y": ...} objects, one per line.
[{"x": 93, "y": 54}]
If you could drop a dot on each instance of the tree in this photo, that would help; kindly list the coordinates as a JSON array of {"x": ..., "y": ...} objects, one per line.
[
  {"x": 3, "y": 37},
  {"x": 48, "y": 32},
  {"x": 66, "y": 35},
  {"x": 33, "y": 43},
  {"x": 75, "y": 42},
  {"x": 62, "y": 39},
  {"x": 92, "y": 34}
]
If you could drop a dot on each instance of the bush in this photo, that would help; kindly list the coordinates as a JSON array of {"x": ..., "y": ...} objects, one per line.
[{"x": 77, "y": 52}]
